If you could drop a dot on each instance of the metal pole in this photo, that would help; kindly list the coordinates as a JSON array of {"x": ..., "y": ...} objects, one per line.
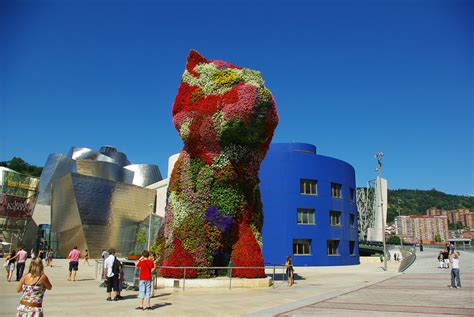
[
  {"x": 379, "y": 156},
  {"x": 184, "y": 279},
  {"x": 230, "y": 278},
  {"x": 273, "y": 283},
  {"x": 149, "y": 226},
  {"x": 400, "y": 227}
]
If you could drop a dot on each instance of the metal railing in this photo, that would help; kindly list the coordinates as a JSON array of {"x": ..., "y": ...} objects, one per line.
[
  {"x": 131, "y": 273},
  {"x": 226, "y": 271},
  {"x": 408, "y": 258}
]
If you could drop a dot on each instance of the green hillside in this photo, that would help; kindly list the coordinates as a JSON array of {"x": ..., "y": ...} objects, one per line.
[
  {"x": 416, "y": 202},
  {"x": 19, "y": 165}
]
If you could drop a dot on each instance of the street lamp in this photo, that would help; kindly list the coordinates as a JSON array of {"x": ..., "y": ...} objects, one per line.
[
  {"x": 378, "y": 157},
  {"x": 400, "y": 225},
  {"x": 149, "y": 225}
]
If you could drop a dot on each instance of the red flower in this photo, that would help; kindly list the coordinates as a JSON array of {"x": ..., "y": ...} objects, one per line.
[
  {"x": 194, "y": 58},
  {"x": 247, "y": 252},
  {"x": 179, "y": 257}
]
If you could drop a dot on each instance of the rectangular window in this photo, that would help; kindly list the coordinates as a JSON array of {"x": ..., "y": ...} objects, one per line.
[
  {"x": 301, "y": 247},
  {"x": 336, "y": 190},
  {"x": 306, "y": 216},
  {"x": 308, "y": 187},
  {"x": 352, "y": 220},
  {"x": 351, "y": 247},
  {"x": 351, "y": 194},
  {"x": 335, "y": 218},
  {"x": 333, "y": 247}
]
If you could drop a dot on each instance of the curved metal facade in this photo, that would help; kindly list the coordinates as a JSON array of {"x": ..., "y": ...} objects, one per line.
[
  {"x": 281, "y": 173},
  {"x": 144, "y": 174},
  {"x": 95, "y": 213}
]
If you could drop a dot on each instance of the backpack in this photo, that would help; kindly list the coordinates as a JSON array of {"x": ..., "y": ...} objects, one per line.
[{"x": 116, "y": 267}]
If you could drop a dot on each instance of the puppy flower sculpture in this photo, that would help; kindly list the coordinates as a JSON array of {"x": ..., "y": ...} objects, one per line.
[{"x": 226, "y": 117}]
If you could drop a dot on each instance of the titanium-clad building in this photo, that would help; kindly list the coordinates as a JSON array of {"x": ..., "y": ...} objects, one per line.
[{"x": 96, "y": 199}]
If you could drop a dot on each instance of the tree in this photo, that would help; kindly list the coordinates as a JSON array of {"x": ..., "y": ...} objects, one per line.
[
  {"x": 19, "y": 165},
  {"x": 437, "y": 237},
  {"x": 393, "y": 240}
]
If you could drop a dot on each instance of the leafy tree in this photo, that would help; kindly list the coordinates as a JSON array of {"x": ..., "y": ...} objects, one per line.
[
  {"x": 437, "y": 237},
  {"x": 19, "y": 165},
  {"x": 393, "y": 240}
]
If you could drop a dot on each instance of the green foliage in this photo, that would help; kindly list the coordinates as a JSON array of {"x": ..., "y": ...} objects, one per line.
[
  {"x": 455, "y": 226},
  {"x": 141, "y": 236},
  {"x": 393, "y": 240},
  {"x": 19, "y": 165},
  {"x": 437, "y": 237},
  {"x": 227, "y": 198},
  {"x": 416, "y": 202}
]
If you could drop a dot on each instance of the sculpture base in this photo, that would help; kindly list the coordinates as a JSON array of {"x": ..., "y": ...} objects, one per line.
[{"x": 216, "y": 282}]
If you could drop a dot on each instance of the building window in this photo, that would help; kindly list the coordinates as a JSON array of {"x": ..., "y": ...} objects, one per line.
[
  {"x": 351, "y": 247},
  {"x": 335, "y": 218},
  {"x": 333, "y": 247},
  {"x": 308, "y": 187},
  {"x": 302, "y": 247},
  {"x": 352, "y": 220},
  {"x": 336, "y": 190},
  {"x": 351, "y": 194},
  {"x": 306, "y": 216}
]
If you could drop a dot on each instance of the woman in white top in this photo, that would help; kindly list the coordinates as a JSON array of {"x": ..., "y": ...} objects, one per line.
[{"x": 455, "y": 277}]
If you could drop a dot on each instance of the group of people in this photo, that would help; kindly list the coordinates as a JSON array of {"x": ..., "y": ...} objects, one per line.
[
  {"x": 449, "y": 256},
  {"x": 113, "y": 270}
]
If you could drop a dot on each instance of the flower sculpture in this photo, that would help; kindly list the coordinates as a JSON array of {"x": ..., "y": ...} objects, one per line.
[{"x": 226, "y": 117}]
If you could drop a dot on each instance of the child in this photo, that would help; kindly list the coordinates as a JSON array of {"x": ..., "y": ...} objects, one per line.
[{"x": 146, "y": 266}]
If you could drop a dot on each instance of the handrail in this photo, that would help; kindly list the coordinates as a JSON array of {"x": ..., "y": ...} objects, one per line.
[
  {"x": 407, "y": 260},
  {"x": 230, "y": 268}
]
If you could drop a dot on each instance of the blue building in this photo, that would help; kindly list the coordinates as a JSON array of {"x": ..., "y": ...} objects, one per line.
[{"x": 309, "y": 207}]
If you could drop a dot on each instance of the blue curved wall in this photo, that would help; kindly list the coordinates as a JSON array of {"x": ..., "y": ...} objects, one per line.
[{"x": 283, "y": 167}]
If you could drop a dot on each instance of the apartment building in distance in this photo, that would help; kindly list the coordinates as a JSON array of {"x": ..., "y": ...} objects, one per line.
[
  {"x": 464, "y": 216},
  {"x": 415, "y": 229}
]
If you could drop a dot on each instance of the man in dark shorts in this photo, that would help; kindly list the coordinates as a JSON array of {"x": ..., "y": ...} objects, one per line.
[
  {"x": 112, "y": 273},
  {"x": 73, "y": 257}
]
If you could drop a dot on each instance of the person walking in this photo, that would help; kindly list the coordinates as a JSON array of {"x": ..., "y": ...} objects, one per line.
[
  {"x": 86, "y": 257},
  {"x": 290, "y": 271},
  {"x": 33, "y": 285},
  {"x": 146, "y": 266},
  {"x": 73, "y": 257},
  {"x": 446, "y": 258},
  {"x": 111, "y": 266},
  {"x": 10, "y": 264},
  {"x": 50, "y": 257},
  {"x": 20, "y": 263},
  {"x": 455, "y": 274}
]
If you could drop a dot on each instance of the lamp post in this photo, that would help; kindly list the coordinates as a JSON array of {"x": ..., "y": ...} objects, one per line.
[
  {"x": 400, "y": 226},
  {"x": 378, "y": 157},
  {"x": 149, "y": 225}
]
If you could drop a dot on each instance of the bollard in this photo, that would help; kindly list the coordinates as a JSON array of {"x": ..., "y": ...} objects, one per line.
[{"x": 230, "y": 278}]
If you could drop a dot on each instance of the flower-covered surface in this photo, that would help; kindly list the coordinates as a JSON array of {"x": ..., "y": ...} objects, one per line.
[{"x": 226, "y": 117}]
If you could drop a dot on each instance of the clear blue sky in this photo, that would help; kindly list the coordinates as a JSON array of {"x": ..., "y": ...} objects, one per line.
[{"x": 352, "y": 77}]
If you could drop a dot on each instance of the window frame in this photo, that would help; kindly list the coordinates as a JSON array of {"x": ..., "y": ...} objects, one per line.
[
  {"x": 307, "y": 212},
  {"x": 336, "y": 248},
  {"x": 336, "y": 188},
  {"x": 303, "y": 185},
  {"x": 352, "y": 252},
  {"x": 297, "y": 242},
  {"x": 339, "y": 224}
]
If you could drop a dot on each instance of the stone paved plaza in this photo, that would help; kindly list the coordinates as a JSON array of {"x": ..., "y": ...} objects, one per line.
[{"x": 360, "y": 290}]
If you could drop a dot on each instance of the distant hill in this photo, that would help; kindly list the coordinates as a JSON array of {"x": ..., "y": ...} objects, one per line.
[
  {"x": 19, "y": 165},
  {"x": 416, "y": 202}
]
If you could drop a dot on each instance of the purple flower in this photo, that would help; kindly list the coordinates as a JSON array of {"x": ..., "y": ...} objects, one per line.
[{"x": 222, "y": 222}]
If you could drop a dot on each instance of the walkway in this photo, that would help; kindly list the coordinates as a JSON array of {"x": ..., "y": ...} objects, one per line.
[
  {"x": 421, "y": 290},
  {"x": 359, "y": 290}
]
